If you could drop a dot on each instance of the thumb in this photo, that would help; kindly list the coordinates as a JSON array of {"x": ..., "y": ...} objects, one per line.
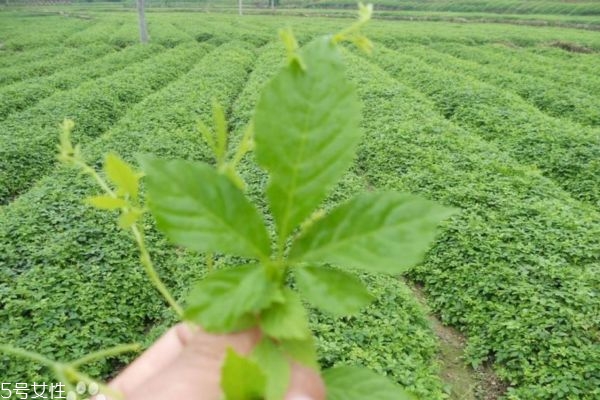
[{"x": 305, "y": 384}]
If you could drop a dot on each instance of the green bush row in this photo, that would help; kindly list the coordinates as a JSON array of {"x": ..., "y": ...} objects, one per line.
[
  {"x": 578, "y": 73},
  {"x": 12, "y": 58},
  {"x": 46, "y": 66},
  {"x": 49, "y": 30},
  {"x": 27, "y": 139},
  {"x": 584, "y": 62},
  {"x": 165, "y": 33},
  {"x": 478, "y": 34},
  {"x": 24, "y": 94},
  {"x": 488, "y": 6},
  {"x": 567, "y": 153},
  {"x": 518, "y": 269},
  {"x": 101, "y": 31},
  {"x": 126, "y": 34},
  {"x": 553, "y": 98},
  {"x": 210, "y": 30},
  {"x": 70, "y": 280}
]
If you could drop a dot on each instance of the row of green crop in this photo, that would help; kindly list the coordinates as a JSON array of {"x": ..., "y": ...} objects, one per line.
[
  {"x": 45, "y": 66},
  {"x": 579, "y": 60},
  {"x": 518, "y": 269},
  {"x": 488, "y": 6},
  {"x": 12, "y": 58},
  {"x": 578, "y": 73},
  {"x": 211, "y": 30},
  {"x": 553, "y": 98},
  {"x": 28, "y": 138},
  {"x": 565, "y": 152},
  {"x": 167, "y": 34},
  {"x": 479, "y": 33},
  {"x": 49, "y": 30},
  {"x": 101, "y": 31},
  {"x": 70, "y": 280},
  {"x": 24, "y": 94},
  {"x": 120, "y": 31},
  {"x": 391, "y": 336}
]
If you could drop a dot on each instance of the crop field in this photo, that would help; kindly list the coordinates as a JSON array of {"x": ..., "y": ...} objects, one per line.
[{"x": 500, "y": 121}]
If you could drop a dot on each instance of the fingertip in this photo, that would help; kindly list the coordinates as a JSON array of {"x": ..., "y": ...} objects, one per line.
[{"x": 305, "y": 384}]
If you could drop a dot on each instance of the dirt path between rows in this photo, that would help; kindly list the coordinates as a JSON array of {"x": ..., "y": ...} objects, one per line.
[{"x": 463, "y": 382}]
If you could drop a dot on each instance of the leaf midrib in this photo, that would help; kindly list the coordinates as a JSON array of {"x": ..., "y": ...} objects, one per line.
[
  {"x": 296, "y": 164},
  {"x": 259, "y": 254},
  {"x": 339, "y": 243}
]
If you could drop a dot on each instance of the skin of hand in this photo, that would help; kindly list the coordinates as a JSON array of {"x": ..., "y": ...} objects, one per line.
[{"x": 185, "y": 363}]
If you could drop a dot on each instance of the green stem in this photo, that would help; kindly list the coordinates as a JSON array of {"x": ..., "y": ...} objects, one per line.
[
  {"x": 145, "y": 256},
  {"x": 210, "y": 261},
  {"x": 92, "y": 172},
  {"x": 28, "y": 354},
  {"x": 59, "y": 371},
  {"x": 151, "y": 271},
  {"x": 113, "y": 351}
]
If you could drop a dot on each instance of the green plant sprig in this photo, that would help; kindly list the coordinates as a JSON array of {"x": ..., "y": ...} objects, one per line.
[
  {"x": 305, "y": 136},
  {"x": 67, "y": 372},
  {"x": 124, "y": 198}
]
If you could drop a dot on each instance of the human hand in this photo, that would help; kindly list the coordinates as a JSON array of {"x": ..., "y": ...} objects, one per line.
[{"x": 186, "y": 364}]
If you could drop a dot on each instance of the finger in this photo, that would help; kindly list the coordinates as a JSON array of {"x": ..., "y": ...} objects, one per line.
[
  {"x": 207, "y": 351},
  {"x": 305, "y": 384},
  {"x": 197, "y": 369},
  {"x": 184, "y": 363},
  {"x": 156, "y": 358}
]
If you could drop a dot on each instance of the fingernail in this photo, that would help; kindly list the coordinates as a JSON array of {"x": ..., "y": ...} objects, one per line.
[{"x": 300, "y": 397}]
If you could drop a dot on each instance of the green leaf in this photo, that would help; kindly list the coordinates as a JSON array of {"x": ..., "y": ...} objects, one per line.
[
  {"x": 332, "y": 291},
  {"x": 354, "y": 383},
  {"x": 376, "y": 232},
  {"x": 208, "y": 137},
  {"x": 229, "y": 300},
  {"x": 128, "y": 218},
  {"x": 287, "y": 319},
  {"x": 241, "y": 378},
  {"x": 276, "y": 367},
  {"x": 200, "y": 209},
  {"x": 106, "y": 202},
  {"x": 306, "y": 133},
  {"x": 121, "y": 175},
  {"x": 303, "y": 351}
]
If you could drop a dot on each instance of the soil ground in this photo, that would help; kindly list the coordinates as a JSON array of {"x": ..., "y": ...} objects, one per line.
[{"x": 462, "y": 381}]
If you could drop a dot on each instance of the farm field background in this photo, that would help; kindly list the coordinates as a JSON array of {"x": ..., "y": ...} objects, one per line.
[{"x": 499, "y": 120}]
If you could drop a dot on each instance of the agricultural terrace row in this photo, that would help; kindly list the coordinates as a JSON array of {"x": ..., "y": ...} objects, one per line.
[{"x": 517, "y": 270}]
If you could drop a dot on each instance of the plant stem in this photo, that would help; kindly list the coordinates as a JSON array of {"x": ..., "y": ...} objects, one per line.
[
  {"x": 113, "y": 351},
  {"x": 145, "y": 256},
  {"x": 28, "y": 354},
  {"x": 92, "y": 172},
  {"x": 151, "y": 271},
  {"x": 59, "y": 371},
  {"x": 210, "y": 261}
]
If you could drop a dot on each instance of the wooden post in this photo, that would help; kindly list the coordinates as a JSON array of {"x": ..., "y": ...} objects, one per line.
[{"x": 142, "y": 21}]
